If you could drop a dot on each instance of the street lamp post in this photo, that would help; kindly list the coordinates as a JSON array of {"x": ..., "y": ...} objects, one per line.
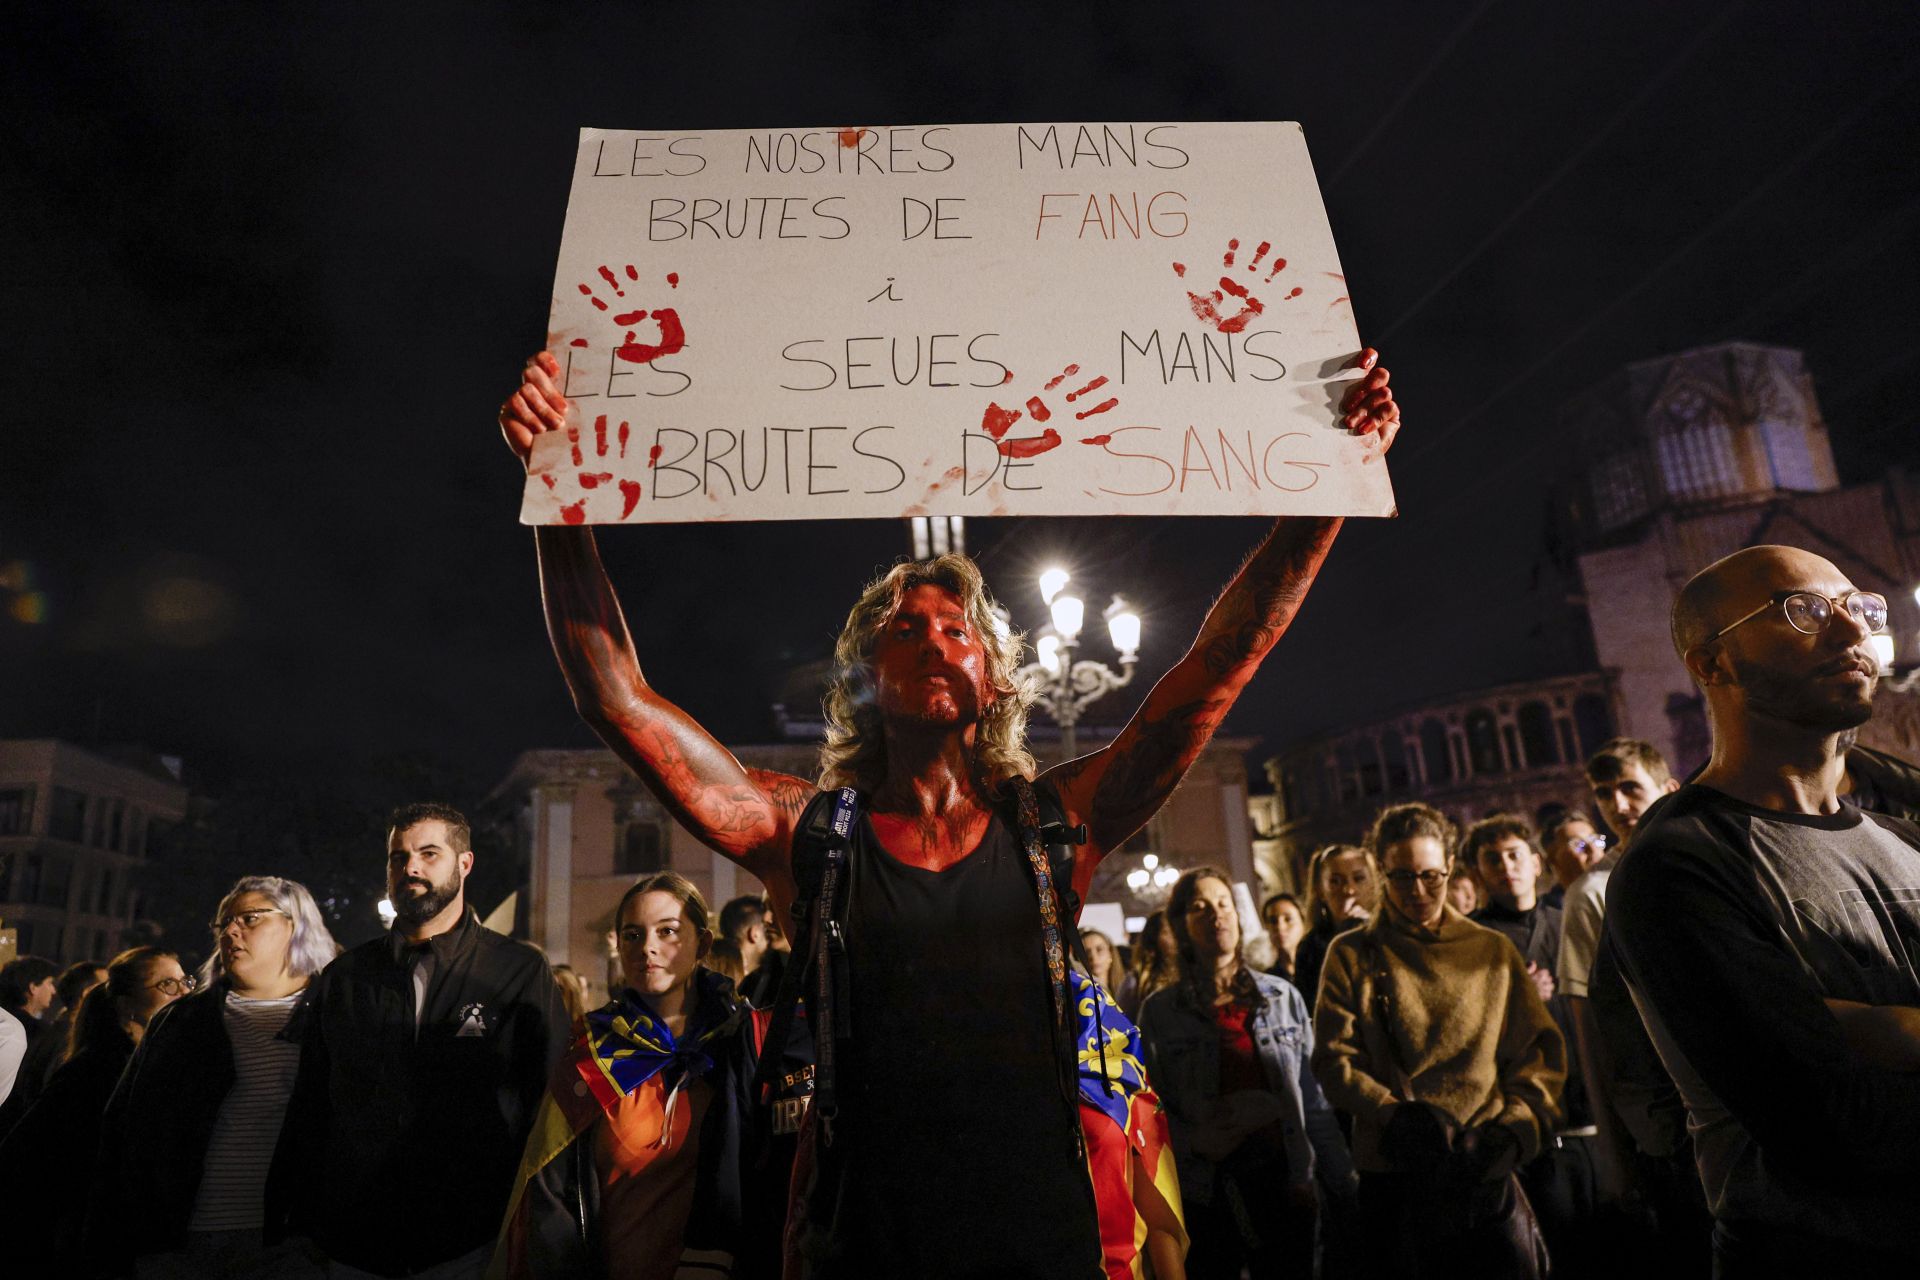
[{"x": 1066, "y": 684}]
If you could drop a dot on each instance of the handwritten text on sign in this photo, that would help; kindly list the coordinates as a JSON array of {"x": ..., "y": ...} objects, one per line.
[{"x": 1041, "y": 319}]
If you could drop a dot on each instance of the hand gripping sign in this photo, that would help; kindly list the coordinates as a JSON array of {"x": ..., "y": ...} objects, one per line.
[{"x": 974, "y": 320}]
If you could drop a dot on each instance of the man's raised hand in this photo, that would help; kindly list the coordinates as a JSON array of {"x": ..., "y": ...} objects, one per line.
[
  {"x": 535, "y": 407},
  {"x": 1369, "y": 407}
]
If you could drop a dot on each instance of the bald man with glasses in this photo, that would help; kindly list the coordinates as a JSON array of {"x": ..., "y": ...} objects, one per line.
[{"x": 1766, "y": 927}]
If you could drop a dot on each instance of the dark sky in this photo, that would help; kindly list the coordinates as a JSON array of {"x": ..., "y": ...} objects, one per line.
[{"x": 270, "y": 271}]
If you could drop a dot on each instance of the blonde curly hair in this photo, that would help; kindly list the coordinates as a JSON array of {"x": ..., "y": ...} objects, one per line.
[{"x": 855, "y": 753}]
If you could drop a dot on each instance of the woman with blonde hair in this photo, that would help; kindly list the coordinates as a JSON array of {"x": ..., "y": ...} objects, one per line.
[{"x": 1345, "y": 881}]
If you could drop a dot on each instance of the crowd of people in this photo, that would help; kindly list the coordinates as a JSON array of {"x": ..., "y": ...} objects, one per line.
[{"x": 1669, "y": 1026}]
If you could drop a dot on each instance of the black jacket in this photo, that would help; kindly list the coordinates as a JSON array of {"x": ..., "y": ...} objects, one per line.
[
  {"x": 400, "y": 1145},
  {"x": 46, "y": 1161},
  {"x": 153, "y": 1142}
]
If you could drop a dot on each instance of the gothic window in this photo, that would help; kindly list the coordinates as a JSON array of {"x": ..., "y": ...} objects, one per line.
[{"x": 1789, "y": 456}]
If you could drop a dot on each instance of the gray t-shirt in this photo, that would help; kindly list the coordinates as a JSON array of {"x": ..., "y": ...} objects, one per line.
[{"x": 1734, "y": 924}]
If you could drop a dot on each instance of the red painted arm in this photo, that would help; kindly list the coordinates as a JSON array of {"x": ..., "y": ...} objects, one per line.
[
  {"x": 747, "y": 815},
  {"x": 1116, "y": 789},
  {"x": 744, "y": 814}
]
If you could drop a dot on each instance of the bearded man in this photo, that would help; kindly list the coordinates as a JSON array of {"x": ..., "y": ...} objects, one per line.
[
  {"x": 423, "y": 1057},
  {"x": 1766, "y": 928},
  {"x": 954, "y": 1150}
]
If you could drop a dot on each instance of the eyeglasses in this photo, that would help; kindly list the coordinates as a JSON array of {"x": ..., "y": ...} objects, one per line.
[
  {"x": 247, "y": 920},
  {"x": 1426, "y": 879},
  {"x": 179, "y": 986},
  {"x": 1809, "y": 612},
  {"x": 1591, "y": 844}
]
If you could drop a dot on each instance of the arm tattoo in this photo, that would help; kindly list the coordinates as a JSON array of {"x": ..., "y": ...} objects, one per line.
[
  {"x": 1260, "y": 602},
  {"x": 789, "y": 794},
  {"x": 1143, "y": 771}
]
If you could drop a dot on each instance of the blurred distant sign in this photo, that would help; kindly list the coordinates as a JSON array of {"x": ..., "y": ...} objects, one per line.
[{"x": 972, "y": 320}]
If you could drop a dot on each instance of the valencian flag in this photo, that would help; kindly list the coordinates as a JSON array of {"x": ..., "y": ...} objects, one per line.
[
  {"x": 1129, "y": 1150},
  {"x": 624, "y": 1049}
]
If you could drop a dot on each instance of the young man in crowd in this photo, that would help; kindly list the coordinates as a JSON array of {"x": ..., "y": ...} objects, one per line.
[
  {"x": 1627, "y": 776},
  {"x": 1764, "y": 927},
  {"x": 1572, "y": 846},
  {"x": 1561, "y": 1180},
  {"x": 423, "y": 1057}
]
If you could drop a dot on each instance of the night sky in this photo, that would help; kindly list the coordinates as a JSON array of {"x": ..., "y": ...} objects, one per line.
[{"x": 270, "y": 272}]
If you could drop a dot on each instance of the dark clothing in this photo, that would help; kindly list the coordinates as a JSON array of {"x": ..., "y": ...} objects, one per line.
[
  {"x": 1884, "y": 784},
  {"x": 1535, "y": 933},
  {"x": 1311, "y": 955},
  {"x": 956, "y": 1148},
  {"x": 45, "y": 1163},
  {"x": 403, "y": 1134},
  {"x": 763, "y": 984},
  {"x": 1732, "y": 925},
  {"x": 44, "y": 1053},
  {"x": 154, "y": 1137},
  {"x": 1419, "y": 1226}
]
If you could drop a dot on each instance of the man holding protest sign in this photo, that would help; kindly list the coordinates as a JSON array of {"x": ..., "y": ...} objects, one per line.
[{"x": 952, "y": 1153}]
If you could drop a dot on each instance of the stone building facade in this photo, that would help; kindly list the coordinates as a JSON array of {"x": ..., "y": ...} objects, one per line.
[{"x": 75, "y": 826}]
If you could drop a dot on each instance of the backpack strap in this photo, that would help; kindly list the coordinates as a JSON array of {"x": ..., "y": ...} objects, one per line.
[
  {"x": 819, "y": 858},
  {"x": 1044, "y": 869}
]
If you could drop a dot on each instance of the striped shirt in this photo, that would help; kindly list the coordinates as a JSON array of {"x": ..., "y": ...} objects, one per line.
[{"x": 232, "y": 1188}]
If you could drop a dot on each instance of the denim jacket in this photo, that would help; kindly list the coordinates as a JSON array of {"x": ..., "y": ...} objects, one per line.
[{"x": 1183, "y": 1060}]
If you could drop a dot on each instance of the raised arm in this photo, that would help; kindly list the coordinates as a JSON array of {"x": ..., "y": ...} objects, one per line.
[
  {"x": 1116, "y": 789},
  {"x": 747, "y": 815}
]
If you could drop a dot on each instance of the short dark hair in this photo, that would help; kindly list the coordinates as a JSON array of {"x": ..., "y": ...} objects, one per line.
[
  {"x": 741, "y": 913},
  {"x": 22, "y": 972},
  {"x": 1565, "y": 818},
  {"x": 1409, "y": 822},
  {"x": 75, "y": 979},
  {"x": 1494, "y": 828},
  {"x": 1282, "y": 897},
  {"x": 1617, "y": 755},
  {"x": 459, "y": 832}
]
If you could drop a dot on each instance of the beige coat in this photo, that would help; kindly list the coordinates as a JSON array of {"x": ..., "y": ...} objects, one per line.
[{"x": 1447, "y": 1016}]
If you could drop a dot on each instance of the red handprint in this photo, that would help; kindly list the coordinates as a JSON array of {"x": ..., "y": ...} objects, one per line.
[
  {"x": 576, "y": 512},
  {"x": 1207, "y": 305},
  {"x": 997, "y": 421},
  {"x": 673, "y": 336}
]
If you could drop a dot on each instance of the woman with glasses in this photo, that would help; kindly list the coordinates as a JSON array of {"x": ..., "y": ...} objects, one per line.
[
  {"x": 1433, "y": 1037},
  {"x": 1227, "y": 1049},
  {"x": 191, "y": 1129},
  {"x": 49, "y": 1154},
  {"x": 1346, "y": 891}
]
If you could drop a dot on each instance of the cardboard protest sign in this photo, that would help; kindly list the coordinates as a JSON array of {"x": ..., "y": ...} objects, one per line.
[{"x": 974, "y": 320}]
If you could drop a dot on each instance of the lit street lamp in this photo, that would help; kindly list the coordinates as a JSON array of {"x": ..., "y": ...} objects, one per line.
[{"x": 1066, "y": 686}]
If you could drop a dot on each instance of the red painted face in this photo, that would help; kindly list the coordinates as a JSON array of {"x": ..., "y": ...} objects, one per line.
[{"x": 929, "y": 664}]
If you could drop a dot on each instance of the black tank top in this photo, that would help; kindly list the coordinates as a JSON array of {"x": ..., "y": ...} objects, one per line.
[{"x": 953, "y": 1153}]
